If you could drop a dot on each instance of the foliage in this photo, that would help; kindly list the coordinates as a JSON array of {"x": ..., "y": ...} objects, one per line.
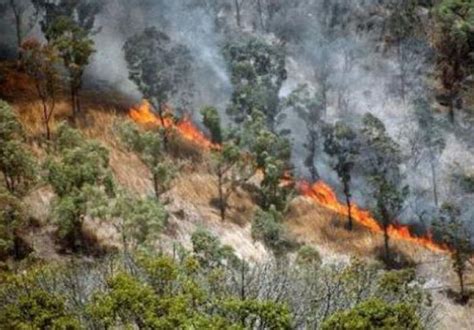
[
  {"x": 160, "y": 68},
  {"x": 41, "y": 64},
  {"x": 375, "y": 314},
  {"x": 453, "y": 41},
  {"x": 160, "y": 291},
  {"x": 212, "y": 121},
  {"x": 308, "y": 256},
  {"x": 454, "y": 233},
  {"x": 140, "y": 220},
  {"x": 38, "y": 309},
  {"x": 258, "y": 72},
  {"x": 75, "y": 46},
  {"x": 341, "y": 143},
  {"x": 16, "y": 162},
  {"x": 271, "y": 154},
  {"x": 209, "y": 251},
  {"x": 310, "y": 109},
  {"x": 267, "y": 227},
  {"x": 12, "y": 219},
  {"x": 149, "y": 146},
  {"x": 382, "y": 158},
  {"x": 81, "y": 178}
]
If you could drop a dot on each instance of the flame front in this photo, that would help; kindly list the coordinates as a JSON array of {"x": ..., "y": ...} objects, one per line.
[
  {"x": 319, "y": 192},
  {"x": 144, "y": 115}
]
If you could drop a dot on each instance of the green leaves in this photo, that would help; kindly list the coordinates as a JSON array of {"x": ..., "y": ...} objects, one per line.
[
  {"x": 258, "y": 72},
  {"x": 374, "y": 314},
  {"x": 16, "y": 162},
  {"x": 159, "y": 67}
]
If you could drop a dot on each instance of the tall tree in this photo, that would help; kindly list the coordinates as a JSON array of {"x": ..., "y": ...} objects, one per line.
[
  {"x": 403, "y": 24},
  {"x": 69, "y": 25},
  {"x": 258, "y": 72},
  {"x": 75, "y": 47},
  {"x": 230, "y": 167},
  {"x": 41, "y": 64},
  {"x": 309, "y": 107},
  {"x": 80, "y": 176},
  {"x": 271, "y": 155},
  {"x": 456, "y": 235},
  {"x": 431, "y": 139},
  {"x": 454, "y": 43},
  {"x": 26, "y": 17},
  {"x": 149, "y": 146},
  {"x": 161, "y": 69},
  {"x": 342, "y": 145},
  {"x": 382, "y": 158}
]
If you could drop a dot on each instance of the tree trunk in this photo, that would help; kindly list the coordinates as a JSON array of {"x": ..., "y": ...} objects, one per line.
[
  {"x": 222, "y": 201},
  {"x": 237, "y": 13},
  {"x": 46, "y": 117},
  {"x": 462, "y": 292},
  {"x": 260, "y": 14},
  {"x": 386, "y": 239},
  {"x": 156, "y": 186},
  {"x": 349, "y": 207},
  {"x": 451, "y": 111},
  {"x": 433, "y": 179},
  {"x": 161, "y": 115}
]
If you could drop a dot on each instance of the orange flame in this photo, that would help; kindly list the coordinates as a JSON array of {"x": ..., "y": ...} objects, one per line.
[
  {"x": 319, "y": 192},
  {"x": 143, "y": 114}
]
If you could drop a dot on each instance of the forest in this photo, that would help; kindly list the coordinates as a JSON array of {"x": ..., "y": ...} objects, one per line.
[{"x": 237, "y": 164}]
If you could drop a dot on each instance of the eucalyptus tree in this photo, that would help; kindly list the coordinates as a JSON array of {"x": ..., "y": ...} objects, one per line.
[{"x": 382, "y": 159}]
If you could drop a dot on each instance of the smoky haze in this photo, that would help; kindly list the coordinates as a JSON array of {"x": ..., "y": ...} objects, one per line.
[{"x": 345, "y": 37}]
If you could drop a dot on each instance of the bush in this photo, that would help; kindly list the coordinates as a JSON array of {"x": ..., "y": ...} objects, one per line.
[
  {"x": 16, "y": 162},
  {"x": 374, "y": 314}
]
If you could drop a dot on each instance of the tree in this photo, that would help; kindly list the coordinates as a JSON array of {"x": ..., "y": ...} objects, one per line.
[
  {"x": 238, "y": 4},
  {"x": 75, "y": 46},
  {"x": 456, "y": 235},
  {"x": 228, "y": 164},
  {"x": 81, "y": 12},
  {"x": 212, "y": 121},
  {"x": 140, "y": 221},
  {"x": 81, "y": 178},
  {"x": 258, "y": 72},
  {"x": 38, "y": 309},
  {"x": 160, "y": 68},
  {"x": 267, "y": 227},
  {"x": 209, "y": 251},
  {"x": 16, "y": 162},
  {"x": 431, "y": 138},
  {"x": 402, "y": 25},
  {"x": 12, "y": 220},
  {"x": 453, "y": 41},
  {"x": 23, "y": 24},
  {"x": 309, "y": 108},
  {"x": 342, "y": 145},
  {"x": 149, "y": 146},
  {"x": 40, "y": 63},
  {"x": 382, "y": 158},
  {"x": 68, "y": 25},
  {"x": 374, "y": 314},
  {"x": 271, "y": 155}
]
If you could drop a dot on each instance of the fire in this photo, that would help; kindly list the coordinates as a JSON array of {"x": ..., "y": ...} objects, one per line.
[
  {"x": 319, "y": 192},
  {"x": 322, "y": 194},
  {"x": 143, "y": 114}
]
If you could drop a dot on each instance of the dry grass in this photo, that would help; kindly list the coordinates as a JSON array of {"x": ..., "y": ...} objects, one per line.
[{"x": 313, "y": 224}]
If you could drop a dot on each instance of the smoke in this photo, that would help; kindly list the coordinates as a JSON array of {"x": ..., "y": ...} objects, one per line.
[{"x": 342, "y": 41}]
